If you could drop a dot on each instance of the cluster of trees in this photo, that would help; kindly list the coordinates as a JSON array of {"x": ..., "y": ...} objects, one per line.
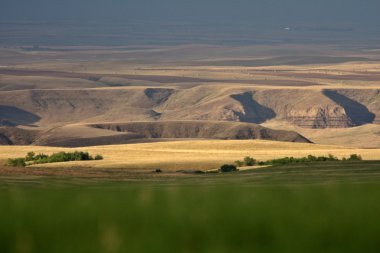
[
  {"x": 249, "y": 161},
  {"x": 310, "y": 159},
  {"x": 32, "y": 158}
]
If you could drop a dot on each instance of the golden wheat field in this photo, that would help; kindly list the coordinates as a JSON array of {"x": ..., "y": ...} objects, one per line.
[{"x": 199, "y": 154}]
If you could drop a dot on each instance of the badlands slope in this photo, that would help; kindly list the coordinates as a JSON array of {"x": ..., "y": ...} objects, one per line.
[{"x": 69, "y": 97}]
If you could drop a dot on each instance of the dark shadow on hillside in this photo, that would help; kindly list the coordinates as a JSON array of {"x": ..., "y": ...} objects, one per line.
[
  {"x": 254, "y": 112},
  {"x": 358, "y": 113},
  {"x": 13, "y": 116},
  {"x": 158, "y": 96}
]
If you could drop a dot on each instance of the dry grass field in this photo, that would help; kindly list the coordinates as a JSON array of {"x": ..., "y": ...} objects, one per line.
[{"x": 189, "y": 155}]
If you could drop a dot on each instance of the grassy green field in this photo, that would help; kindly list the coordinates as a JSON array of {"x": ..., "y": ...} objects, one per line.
[{"x": 322, "y": 207}]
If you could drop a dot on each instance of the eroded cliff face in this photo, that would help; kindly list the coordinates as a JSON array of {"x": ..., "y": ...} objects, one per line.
[
  {"x": 320, "y": 117},
  {"x": 322, "y": 108},
  {"x": 308, "y": 108}
]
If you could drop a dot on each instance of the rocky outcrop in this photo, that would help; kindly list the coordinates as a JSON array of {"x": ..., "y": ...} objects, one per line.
[{"x": 318, "y": 109}]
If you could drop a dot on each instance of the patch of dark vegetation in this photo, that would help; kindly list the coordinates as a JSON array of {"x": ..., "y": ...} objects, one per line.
[
  {"x": 228, "y": 168},
  {"x": 311, "y": 159},
  {"x": 191, "y": 171},
  {"x": 31, "y": 158},
  {"x": 249, "y": 161},
  {"x": 17, "y": 162}
]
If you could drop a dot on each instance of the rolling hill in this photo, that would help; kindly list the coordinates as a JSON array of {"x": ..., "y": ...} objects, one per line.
[{"x": 49, "y": 111}]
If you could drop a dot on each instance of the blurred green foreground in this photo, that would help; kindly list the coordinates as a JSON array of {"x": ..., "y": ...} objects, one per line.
[
  {"x": 190, "y": 218},
  {"x": 321, "y": 207}
]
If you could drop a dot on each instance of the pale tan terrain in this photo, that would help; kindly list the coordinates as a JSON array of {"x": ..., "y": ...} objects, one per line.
[
  {"x": 366, "y": 136},
  {"x": 189, "y": 155},
  {"x": 327, "y": 95}
]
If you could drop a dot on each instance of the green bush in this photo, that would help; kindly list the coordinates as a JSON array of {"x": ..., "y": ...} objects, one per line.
[
  {"x": 17, "y": 162},
  {"x": 228, "y": 168},
  {"x": 309, "y": 159},
  {"x": 249, "y": 161},
  {"x": 355, "y": 157},
  {"x": 98, "y": 157},
  {"x": 32, "y": 158}
]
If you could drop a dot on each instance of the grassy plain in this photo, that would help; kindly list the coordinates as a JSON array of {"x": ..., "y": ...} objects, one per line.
[
  {"x": 305, "y": 208},
  {"x": 107, "y": 206},
  {"x": 196, "y": 154}
]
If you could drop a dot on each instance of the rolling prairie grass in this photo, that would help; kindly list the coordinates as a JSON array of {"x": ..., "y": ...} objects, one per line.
[
  {"x": 200, "y": 154},
  {"x": 170, "y": 218},
  {"x": 318, "y": 207}
]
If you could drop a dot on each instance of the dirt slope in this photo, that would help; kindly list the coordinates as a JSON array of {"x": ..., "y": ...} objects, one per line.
[
  {"x": 17, "y": 136},
  {"x": 309, "y": 108},
  {"x": 136, "y": 132},
  {"x": 202, "y": 129}
]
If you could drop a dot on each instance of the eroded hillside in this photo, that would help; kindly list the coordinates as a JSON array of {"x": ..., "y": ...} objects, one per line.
[
  {"x": 308, "y": 108},
  {"x": 51, "y": 95}
]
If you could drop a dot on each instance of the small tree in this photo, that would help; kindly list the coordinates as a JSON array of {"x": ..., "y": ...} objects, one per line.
[
  {"x": 239, "y": 163},
  {"x": 30, "y": 156},
  {"x": 355, "y": 157},
  {"x": 311, "y": 158},
  {"x": 98, "y": 157},
  {"x": 249, "y": 161},
  {"x": 333, "y": 158},
  {"x": 17, "y": 162},
  {"x": 228, "y": 168}
]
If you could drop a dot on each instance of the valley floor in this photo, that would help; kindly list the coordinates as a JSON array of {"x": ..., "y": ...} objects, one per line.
[{"x": 188, "y": 155}]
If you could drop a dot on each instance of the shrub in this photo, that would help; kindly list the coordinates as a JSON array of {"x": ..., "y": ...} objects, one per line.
[
  {"x": 332, "y": 158},
  {"x": 249, "y": 161},
  {"x": 98, "y": 157},
  {"x": 309, "y": 159},
  {"x": 228, "y": 168},
  {"x": 32, "y": 158},
  {"x": 355, "y": 157},
  {"x": 17, "y": 162},
  {"x": 312, "y": 158}
]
